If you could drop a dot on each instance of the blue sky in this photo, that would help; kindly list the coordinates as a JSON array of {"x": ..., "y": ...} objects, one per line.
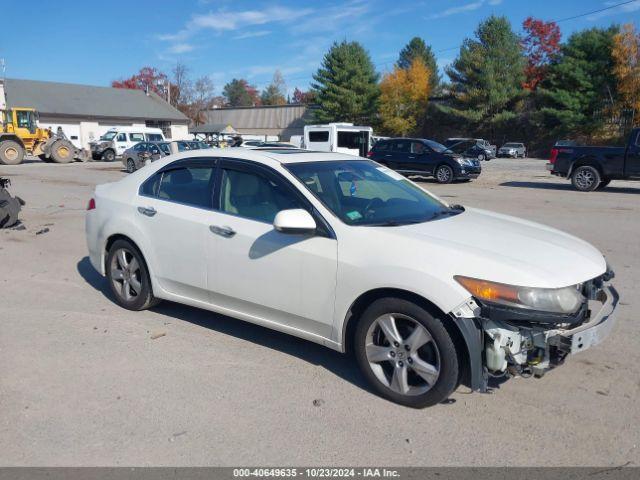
[{"x": 95, "y": 42}]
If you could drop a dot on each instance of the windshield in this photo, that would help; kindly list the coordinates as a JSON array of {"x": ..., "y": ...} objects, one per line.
[
  {"x": 108, "y": 136},
  {"x": 512, "y": 145},
  {"x": 361, "y": 192},
  {"x": 437, "y": 147}
]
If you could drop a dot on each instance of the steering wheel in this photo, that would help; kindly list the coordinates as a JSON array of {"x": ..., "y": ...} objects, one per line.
[{"x": 371, "y": 205}]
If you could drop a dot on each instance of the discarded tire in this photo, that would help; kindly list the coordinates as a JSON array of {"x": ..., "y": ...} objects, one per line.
[{"x": 9, "y": 206}]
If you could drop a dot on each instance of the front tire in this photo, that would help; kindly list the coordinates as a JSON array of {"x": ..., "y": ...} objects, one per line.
[
  {"x": 62, "y": 151},
  {"x": 585, "y": 178},
  {"x": 108, "y": 156},
  {"x": 481, "y": 157},
  {"x": 405, "y": 353},
  {"x": 444, "y": 174},
  {"x": 129, "y": 277}
]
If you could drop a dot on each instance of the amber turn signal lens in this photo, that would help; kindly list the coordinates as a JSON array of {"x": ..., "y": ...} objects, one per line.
[{"x": 489, "y": 291}]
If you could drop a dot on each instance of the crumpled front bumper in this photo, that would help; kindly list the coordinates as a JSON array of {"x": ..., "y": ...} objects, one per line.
[{"x": 593, "y": 331}]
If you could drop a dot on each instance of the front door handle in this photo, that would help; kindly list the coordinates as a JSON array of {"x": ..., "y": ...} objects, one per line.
[
  {"x": 226, "y": 232},
  {"x": 148, "y": 211}
]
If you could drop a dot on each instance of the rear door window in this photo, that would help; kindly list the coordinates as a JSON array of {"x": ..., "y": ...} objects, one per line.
[
  {"x": 189, "y": 182},
  {"x": 319, "y": 136},
  {"x": 400, "y": 146},
  {"x": 350, "y": 140}
]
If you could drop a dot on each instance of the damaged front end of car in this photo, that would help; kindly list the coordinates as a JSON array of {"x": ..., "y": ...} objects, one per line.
[{"x": 518, "y": 340}]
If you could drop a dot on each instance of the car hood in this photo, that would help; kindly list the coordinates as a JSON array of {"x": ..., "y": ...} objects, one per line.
[{"x": 496, "y": 247}]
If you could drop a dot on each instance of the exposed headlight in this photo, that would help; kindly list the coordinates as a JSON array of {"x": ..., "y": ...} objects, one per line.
[
  {"x": 465, "y": 162},
  {"x": 555, "y": 300}
]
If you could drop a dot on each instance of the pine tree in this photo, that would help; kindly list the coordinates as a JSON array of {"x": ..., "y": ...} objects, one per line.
[
  {"x": 579, "y": 83},
  {"x": 346, "y": 85},
  {"x": 239, "y": 93},
  {"x": 417, "y": 48},
  {"x": 487, "y": 76}
]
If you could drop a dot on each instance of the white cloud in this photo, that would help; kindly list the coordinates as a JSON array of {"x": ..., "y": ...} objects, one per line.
[
  {"x": 468, "y": 7},
  {"x": 180, "y": 48},
  {"x": 258, "y": 33}
]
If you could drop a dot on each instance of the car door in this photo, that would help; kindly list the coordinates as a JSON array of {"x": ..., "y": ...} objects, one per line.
[
  {"x": 259, "y": 273},
  {"x": 121, "y": 143},
  {"x": 174, "y": 213},
  {"x": 318, "y": 140},
  {"x": 400, "y": 150},
  {"x": 137, "y": 153},
  {"x": 418, "y": 159}
]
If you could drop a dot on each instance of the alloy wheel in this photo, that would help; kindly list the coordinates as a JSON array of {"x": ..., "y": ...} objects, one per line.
[
  {"x": 131, "y": 167},
  {"x": 585, "y": 179},
  {"x": 402, "y": 354},
  {"x": 126, "y": 275},
  {"x": 443, "y": 174}
]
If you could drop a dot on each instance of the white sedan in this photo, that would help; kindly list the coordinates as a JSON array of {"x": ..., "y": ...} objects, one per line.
[{"x": 341, "y": 251}]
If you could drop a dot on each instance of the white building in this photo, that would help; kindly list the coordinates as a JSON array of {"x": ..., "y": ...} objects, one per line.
[{"x": 85, "y": 112}]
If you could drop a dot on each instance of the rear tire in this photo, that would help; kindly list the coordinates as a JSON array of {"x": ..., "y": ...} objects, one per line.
[
  {"x": 62, "y": 151},
  {"x": 444, "y": 174},
  {"x": 11, "y": 153},
  {"x": 131, "y": 166},
  {"x": 416, "y": 363},
  {"x": 585, "y": 178},
  {"x": 128, "y": 277}
]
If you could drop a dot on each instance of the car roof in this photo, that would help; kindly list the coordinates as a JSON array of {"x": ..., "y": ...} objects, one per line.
[{"x": 267, "y": 156}]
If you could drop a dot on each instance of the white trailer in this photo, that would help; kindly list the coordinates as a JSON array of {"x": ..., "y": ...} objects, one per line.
[{"x": 338, "y": 137}]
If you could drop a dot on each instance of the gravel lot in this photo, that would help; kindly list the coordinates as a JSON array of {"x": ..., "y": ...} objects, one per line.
[{"x": 83, "y": 382}]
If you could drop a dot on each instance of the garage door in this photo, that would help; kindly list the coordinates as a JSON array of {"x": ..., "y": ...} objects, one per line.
[{"x": 71, "y": 130}]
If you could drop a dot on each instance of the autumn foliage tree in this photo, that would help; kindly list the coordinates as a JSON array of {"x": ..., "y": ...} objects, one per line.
[
  {"x": 626, "y": 58},
  {"x": 300, "y": 96},
  {"x": 147, "y": 78},
  {"x": 239, "y": 93},
  {"x": 404, "y": 94},
  {"x": 541, "y": 45}
]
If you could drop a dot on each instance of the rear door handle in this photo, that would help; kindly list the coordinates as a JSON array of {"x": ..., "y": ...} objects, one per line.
[
  {"x": 148, "y": 211},
  {"x": 226, "y": 232}
]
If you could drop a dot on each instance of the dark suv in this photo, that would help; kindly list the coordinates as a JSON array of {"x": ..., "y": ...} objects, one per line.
[{"x": 419, "y": 156}]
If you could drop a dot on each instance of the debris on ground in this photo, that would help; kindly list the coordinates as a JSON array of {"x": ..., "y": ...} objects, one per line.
[
  {"x": 318, "y": 402},
  {"x": 10, "y": 206},
  {"x": 158, "y": 335},
  {"x": 44, "y": 230}
]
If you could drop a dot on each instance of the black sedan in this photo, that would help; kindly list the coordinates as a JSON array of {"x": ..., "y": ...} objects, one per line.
[{"x": 422, "y": 157}]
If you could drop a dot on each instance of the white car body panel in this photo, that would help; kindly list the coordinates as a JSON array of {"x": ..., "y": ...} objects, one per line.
[{"x": 306, "y": 285}]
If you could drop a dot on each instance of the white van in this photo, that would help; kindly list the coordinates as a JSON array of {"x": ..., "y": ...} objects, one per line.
[
  {"x": 338, "y": 137},
  {"x": 116, "y": 140}
]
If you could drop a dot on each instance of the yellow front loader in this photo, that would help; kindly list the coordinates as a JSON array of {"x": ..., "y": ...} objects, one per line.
[{"x": 20, "y": 135}]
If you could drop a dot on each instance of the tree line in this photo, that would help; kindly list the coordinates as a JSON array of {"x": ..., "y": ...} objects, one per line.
[{"x": 502, "y": 86}]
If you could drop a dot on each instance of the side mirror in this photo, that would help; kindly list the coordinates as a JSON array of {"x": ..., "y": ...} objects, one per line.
[{"x": 294, "y": 221}]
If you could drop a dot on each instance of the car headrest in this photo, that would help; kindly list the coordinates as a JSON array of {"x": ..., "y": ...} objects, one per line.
[{"x": 181, "y": 177}]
